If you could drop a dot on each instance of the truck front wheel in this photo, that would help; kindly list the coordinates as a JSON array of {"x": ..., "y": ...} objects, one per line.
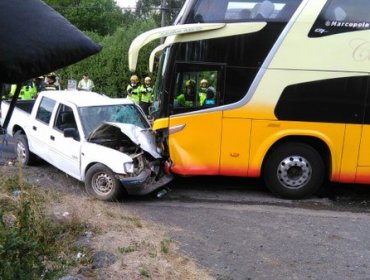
[
  {"x": 102, "y": 184},
  {"x": 294, "y": 170},
  {"x": 25, "y": 157}
]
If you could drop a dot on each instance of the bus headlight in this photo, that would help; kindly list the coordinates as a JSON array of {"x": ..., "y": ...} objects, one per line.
[{"x": 128, "y": 167}]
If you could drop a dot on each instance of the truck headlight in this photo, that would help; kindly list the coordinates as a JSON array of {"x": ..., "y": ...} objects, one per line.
[{"x": 128, "y": 167}]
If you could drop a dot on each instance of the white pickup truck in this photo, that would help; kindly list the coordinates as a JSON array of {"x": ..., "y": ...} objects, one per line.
[{"x": 105, "y": 142}]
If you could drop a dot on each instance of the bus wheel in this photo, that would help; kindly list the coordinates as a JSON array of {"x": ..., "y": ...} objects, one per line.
[{"x": 294, "y": 170}]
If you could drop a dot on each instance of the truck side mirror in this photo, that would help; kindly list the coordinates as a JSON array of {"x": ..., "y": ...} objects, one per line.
[{"x": 71, "y": 133}]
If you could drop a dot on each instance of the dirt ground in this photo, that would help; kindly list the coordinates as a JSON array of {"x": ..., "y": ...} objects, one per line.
[{"x": 126, "y": 246}]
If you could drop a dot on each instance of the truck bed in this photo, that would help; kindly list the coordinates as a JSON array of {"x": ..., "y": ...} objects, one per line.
[{"x": 24, "y": 105}]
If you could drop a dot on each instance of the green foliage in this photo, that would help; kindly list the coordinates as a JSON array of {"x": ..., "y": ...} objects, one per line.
[
  {"x": 104, "y": 22},
  {"x": 165, "y": 245},
  {"x": 30, "y": 242},
  {"x": 152, "y": 9},
  {"x": 126, "y": 250},
  {"x": 109, "y": 69},
  {"x": 99, "y": 16},
  {"x": 144, "y": 272}
]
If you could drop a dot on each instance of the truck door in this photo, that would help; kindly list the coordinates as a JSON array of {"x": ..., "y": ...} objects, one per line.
[
  {"x": 39, "y": 132},
  {"x": 65, "y": 150}
]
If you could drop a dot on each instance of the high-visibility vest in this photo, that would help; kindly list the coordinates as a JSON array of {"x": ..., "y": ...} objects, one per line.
[
  {"x": 134, "y": 93},
  {"x": 182, "y": 100},
  {"x": 202, "y": 95},
  {"x": 27, "y": 92},
  {"x": 146, "y": 94}
]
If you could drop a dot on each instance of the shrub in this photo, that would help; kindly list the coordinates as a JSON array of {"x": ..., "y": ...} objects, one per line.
[{"x": 32, "y": 245}]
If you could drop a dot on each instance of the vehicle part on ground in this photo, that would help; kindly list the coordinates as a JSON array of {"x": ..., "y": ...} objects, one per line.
[
  {"x": 25, "y": 157},
  {"x": 294, "y": 170},
  {"x": 101, "y": 183}
]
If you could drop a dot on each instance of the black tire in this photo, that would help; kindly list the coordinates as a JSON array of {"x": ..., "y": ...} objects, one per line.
[
  {"x": 294, "y": 170},
  {"x": 101, "y": 183},
  {"x": 25, "y": 157}
]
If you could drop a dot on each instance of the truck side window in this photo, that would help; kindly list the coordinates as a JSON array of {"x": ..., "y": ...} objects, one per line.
[
  {"x": 340, "y": 16},
  {"x": 45, "y": 110},
  {"x": 65, "y": 118}
]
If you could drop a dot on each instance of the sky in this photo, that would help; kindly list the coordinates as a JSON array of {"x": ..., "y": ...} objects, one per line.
[{"x": 126, "y": 3}]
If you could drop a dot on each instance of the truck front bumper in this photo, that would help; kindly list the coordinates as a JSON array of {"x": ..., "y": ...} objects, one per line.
[{"x": 144, "y": 183}]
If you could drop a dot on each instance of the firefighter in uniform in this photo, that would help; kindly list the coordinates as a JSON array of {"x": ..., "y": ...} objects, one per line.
[
  {"x": 27, "y": 92},
  {"x": 203, "y": 91},
  {"x": 188, "y": 98},
  {"x": 146, "y": 95},
  {"x": 134, "y": 89}
]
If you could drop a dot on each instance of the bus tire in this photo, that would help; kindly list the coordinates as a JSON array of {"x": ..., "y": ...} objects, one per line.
[
  {"x": 24, "y": 155},
  {"x": 101, "y": 183},
  {"x": 294, "y": 170}
]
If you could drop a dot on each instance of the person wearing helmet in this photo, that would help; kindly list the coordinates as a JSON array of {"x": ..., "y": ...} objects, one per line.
[
  {"x": 134, "y": 89},
  {"x": 210, "y": 97},
  {"x": 146, "y": 95},
  {"x": 202, "y": 91},
  {"x": 188, "y": 98},
  {"x": 51, "y": 82}
]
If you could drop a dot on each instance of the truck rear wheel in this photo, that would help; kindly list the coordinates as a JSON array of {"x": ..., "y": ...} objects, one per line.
[
  {"x": 25, "y": 157},
  {"x": 294, "y": 170},
  {"x": 101, "y": 182}
]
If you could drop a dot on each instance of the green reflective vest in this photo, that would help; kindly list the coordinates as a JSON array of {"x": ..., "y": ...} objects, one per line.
[
  {"x": 146, "y": 94},
  {"x": 27, "y": 92},
  {"x": 134, "y": 93}
]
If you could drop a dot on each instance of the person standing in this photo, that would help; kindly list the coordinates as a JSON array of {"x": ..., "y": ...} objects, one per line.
[
  {"x": 146, "y": 95},
  {"x": 134, "y": 89},
  {"x": 40, "y": 83},
  {"x": 203, "y": 91},
  {"x": 86, "y": 83},
  {"x": 188, "y": 98},
  {"x": 28, "y": 90},
  {"x": 50, "y": 82}
]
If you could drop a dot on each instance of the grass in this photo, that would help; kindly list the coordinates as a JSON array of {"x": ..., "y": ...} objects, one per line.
[
  {"x": 33, "y": 245},
  {"x": 165, "y": 245},
  {"x": 126, "y": 250},
  {"x": 37, "y": 242}
]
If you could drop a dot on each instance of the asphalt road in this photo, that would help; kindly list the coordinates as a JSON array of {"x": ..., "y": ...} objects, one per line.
[
  {"x": 236, "y": 229},
  {"x": 6, "y": 149}
]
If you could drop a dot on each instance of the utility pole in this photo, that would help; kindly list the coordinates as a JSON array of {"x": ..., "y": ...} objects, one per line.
[
  {"x": 163, "y": 16},
  {"x": 163, "y": 12}
]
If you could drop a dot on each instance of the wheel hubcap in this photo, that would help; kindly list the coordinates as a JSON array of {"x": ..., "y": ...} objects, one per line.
[
  {"x": 102, "y": 184},
  {"x": 21, "y": 152},
  {"x": 294, "y": 172}
]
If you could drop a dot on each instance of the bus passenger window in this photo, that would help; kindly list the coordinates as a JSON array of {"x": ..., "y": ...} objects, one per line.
[{"x": 196, "y": 90}]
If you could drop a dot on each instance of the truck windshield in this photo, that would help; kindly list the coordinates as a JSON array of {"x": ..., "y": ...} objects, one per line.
[{"x": 93, "y": 116}]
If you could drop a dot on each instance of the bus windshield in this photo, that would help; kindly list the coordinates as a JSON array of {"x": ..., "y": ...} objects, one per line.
[
  {"x": 207, "y": 11},
  {"x": 159, "y": 90}
]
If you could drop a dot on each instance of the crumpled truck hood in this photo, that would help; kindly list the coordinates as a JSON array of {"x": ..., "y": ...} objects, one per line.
[{"x": 144, "y": 137}]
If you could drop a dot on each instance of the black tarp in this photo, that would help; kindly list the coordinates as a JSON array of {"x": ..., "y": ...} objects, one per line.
[{"x": 35, "y": 40}]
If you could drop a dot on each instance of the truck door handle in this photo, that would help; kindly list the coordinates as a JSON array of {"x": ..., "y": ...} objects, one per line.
[
  {"x": 52, "y": 137},
  {"x": 34, "y": 128}
]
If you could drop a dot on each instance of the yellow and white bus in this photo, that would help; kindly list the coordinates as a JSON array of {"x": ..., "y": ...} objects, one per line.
[{"x": 290, "y": 86}]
